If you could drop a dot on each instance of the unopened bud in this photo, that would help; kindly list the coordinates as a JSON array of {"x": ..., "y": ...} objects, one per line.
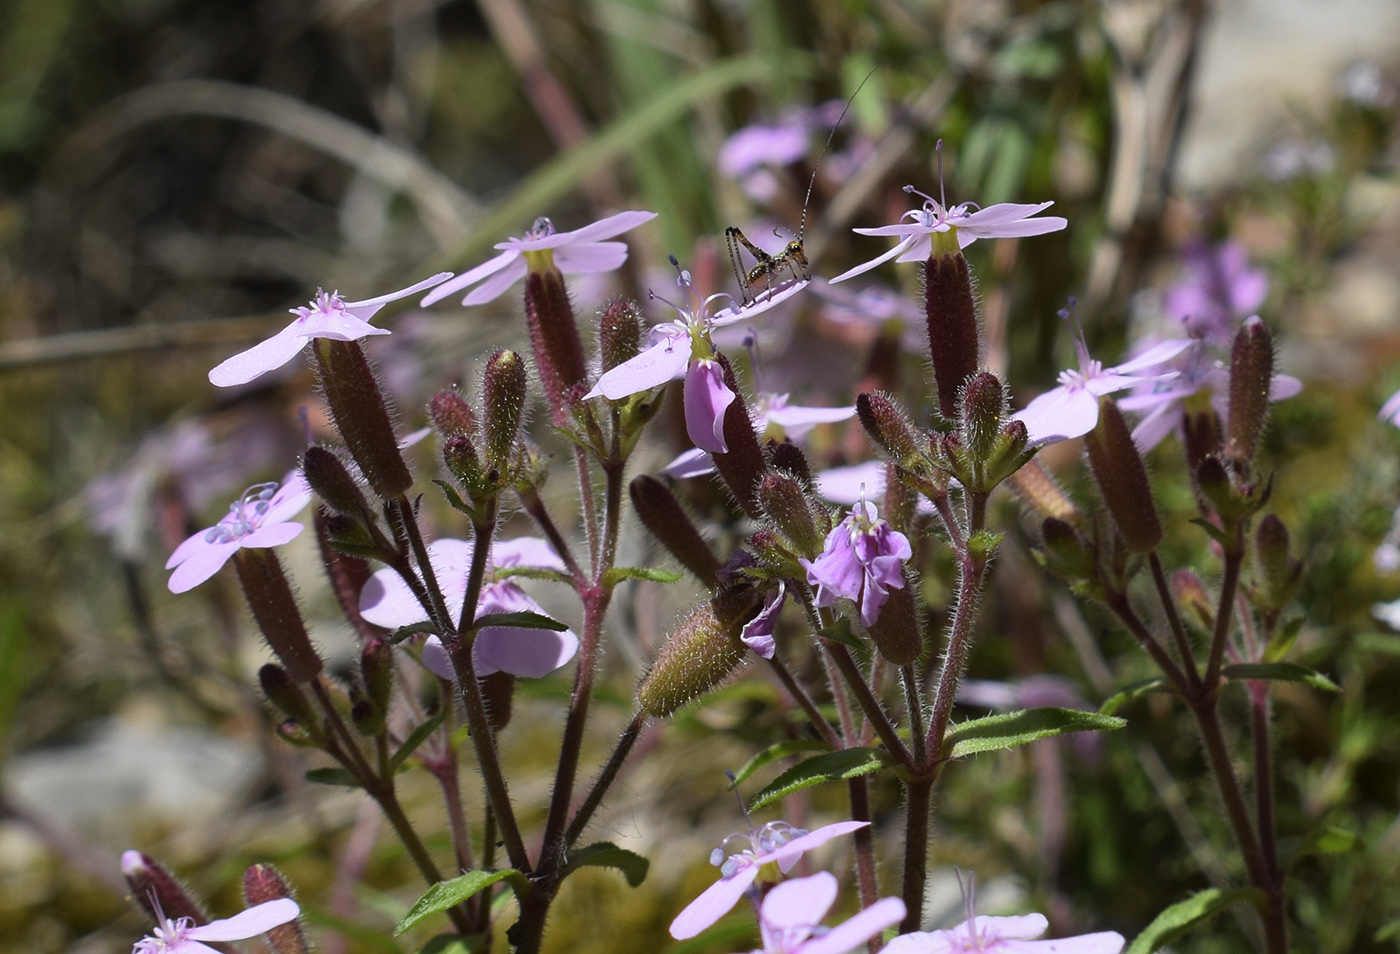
[
  {"x": 671, "y": 525},
  {"x": 377, "y": 671},
  {"x": 503, "y": 406},
  {"x": 1251, "y": 371},
  {"x": 744, "y": 464},
  {"x": 554, "y": 338},
  {"x": 497, "y": 695},
  {"x": 787, "y": 504},
  {"x": 148, "y": 878},
  {"x": 954, "y": 339},
  {"x": 787, "y": 456},
  {"x": 294, "y": 733},
  {"x": 328, "y": 476},
  {"x": 898, "y": 631},
  {"x": 981, "y": 404},
  {"x": 1213, "y": 481},
  {"x": 697, "y": 657},
  {"x": 1038, "y": 490},
  {"x": 1190, "y": 593},
  {"x": 1071, "y": 555},
  {"x": 276, "y": 612},
  {"x": 285, "y": 694},
  {"x": 888, "y": 426},
  {"x": 1122, "y": 478},
  {"x": 362, "y": 415},
  {"x": 452, "y": 415},
  {"x": 459, "y": 454},
  {"x": 1201, "y": 429},
  {"x": 619, "y": 332},
  {"x": 1279, "y": 574},
  {"x": 262, "y": 883},
  {"x": 348, "y": 574},
  {"x": 369, "y": 720}
]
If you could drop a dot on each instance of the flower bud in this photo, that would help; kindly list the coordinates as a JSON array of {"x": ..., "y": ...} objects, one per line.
[
  {"x": 348, "y": 574},
  {"x": 1213, "y": 481},
  {"x": 1122, "y": 478},
  {"x": 361, "y": 415},
  {"x": 1190, "y": 593},
  {"x": 954, "y": 338},
  {"x": 1038, "y": 490},
  {"x": 1201, "y": 429},
  {"x": 554, "y": 338},
  {"x": 377, "y": 671},
  {"x": 1279, "y": 575},
  {"x": 369, "y": 720},
  {"x": 275, "y": 610},
  {"x": 262, "y": 883},
  {"x": 294, "y": 733},
  {"x": 699, "y": 655},
  {"x": 503, "y": 406},
  {"x": 888, "y": 426},
  {"x": 147, "y": 877},
  {"x": 1251, "y": 371},
  {"x": 497, "y": 695},
  {"x": 459, "y": 454},
  {"x": 786, "y": 503},
  {"x": 898, "y": 632},
  {"x": 285, "y": 694},
  {"x": 619, "y": 332},
  {"x": 981, "y": 404},
  {"x": 744, "y": 464},
  {"x": 671, "y": 525},
  {"x": 327, "y": 475},
  {"x": 452, "y": 415},
  {"x": 1070, "y": 554},
  {"x": 785, "y": 455}
]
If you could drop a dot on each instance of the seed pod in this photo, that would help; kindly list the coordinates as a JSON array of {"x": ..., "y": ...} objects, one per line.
[
  {"x": 1279, "y": 575},
  {"x": 671, "y": 525},
  {"x": 348, "y": 574},
  {"x": 981, "y": 404},
  {"x": 497, "y": 694},
  {"x": 148, "y": 878},
  {"x": 619, "y": 332},
  {"x": 888, "y": 426},
  {"x": 1251, "y": 372},
  {"x": 954, "y": 338},
  {"x": 554, "y": 338},
  {"x": 276, "y": 612},
  {"x": 698, "y": 656},
  {"x": 786, "y": 503},
  {"x": 503, "y": 406},
  {"x": 787, "y": 456},
  {"x": 1122, "y": 478},
  {"x": 1190, "y": 593},
  {"x": 377, "y": 671},
  {"x": 262, "y": 883},
  {"x": 452, "y": 415},
  {"x": 362, "y": 415},
  {"x": 1038, "y": 490},
  {"x": 744, "y": 464},
  {"x": 326, "y": 474},
  {"x": 898, "y": 632},
  {"x": 1201, "y": 428},
  {"x": 286, "y": 695}
]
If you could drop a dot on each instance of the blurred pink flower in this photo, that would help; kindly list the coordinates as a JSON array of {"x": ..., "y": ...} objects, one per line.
[
  {"x": 328, "y": 316},
  {"x": 861, "y": 561},
  {"x": 259, "y": 518},
  {"x": 790, "y": 918},
  {"x": 1219, "y": 289},
  {"x": 776, "y": 842},
  {"x": 579, "y": 252},
  {"x": 185, "y": 937},
  {"x": 989, "y": 935},
  {"x": 1390, "y": 410},
  {"x": 387, "y": 601}
]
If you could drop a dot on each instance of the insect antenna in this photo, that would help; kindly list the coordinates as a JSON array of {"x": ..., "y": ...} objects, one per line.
[{"x": 807, "y": 199}]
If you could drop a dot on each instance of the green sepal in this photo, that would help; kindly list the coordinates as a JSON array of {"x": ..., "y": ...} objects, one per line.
[{"x": 1283, "y": 672}]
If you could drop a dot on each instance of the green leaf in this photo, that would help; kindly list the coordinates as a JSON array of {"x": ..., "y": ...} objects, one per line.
[
  {"x": 841, "y": 632},
  {"x": 828, "y": 767},
  {"x": 779, "y": 751},
  {"x": 412, "y": 629},
  {"x": 1185, "y": 915},
  {"x": 523, "y": 620},
  {"x": 1130, "y": 692},
  {"x": 1018, "y": 728},
  {"x": 533, "y": 573},
  {"x": 653, "y": 573},
  {"x": 453, "y": 944},
  {"x": 333, "y": 776},
  {"x": 1215, "y": 533},
  {"x": 447, "y": 894},
  {"x": 1388, "y": 931},
  {"x": 1282, "y": 671},
  {"x": 417, "y": 737},
  {"x": 1332, "y": 840},
  {"x": 605, "y": 854},
  {"x": 455, "y": 499},
  {"x": 1283, "y": 640}
]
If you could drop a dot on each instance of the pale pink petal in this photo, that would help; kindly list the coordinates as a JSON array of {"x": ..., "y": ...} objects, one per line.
[
  {"x": 606, "y": 228},
  {"x": 289, "y": 500},
  {"x": 365, "y": 310},
  {"x": 797, "y": 420},
  {"x": 904, "y": 229},
  {"x": 493, "y": 287},
  {"x": 874, "y": 262},
  {"x": 662, "y": 362},
  {"x": 271, "y": 535},
  {"x": 590, "y": 259},
  {"x": 1159, "y": 353},
  {"x": 1248, "y": 290},
  {"x": 920, "y": 251},
  {"x": 258, "y": 919},
  {"x": 437, "y": 661},
  {"x": 522, "y": 652},
  {"x": 261, "y": 358},
  {"x": 200, "y": 564},
  {"x": 795, "y": 905},
  {"x": 1105, "y": 942},
  {"x": 1003, "y": 213},
  {"x": 920, "y": 942},
  {"x": 1285, "y": 386},
  {"x": 691, "y": 463},
  {"x": 1021, "y": 229},
  {"x": 843, "y": 485},
  {"x": 1018, "y": 927},
  {"x": 184, "y": 551},
  {"x": 488, "y": 267},
  {"x": 1155, "y": 426},
  {"x": 1060, "y": 414},
  {"x": 855, "y": 931},
  {"x": 386, "y": 600},
  {"x": 764, "y": 300},
  {"x": 527, "y": 552},
  {"x": 713, "y": 903},
  {"x": 706, "y": 399},
  {"x": 820, "y": 836}
]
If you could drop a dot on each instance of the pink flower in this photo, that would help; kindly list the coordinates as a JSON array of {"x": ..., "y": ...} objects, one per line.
[
  {"x": 776, "y": 842},
  {"x": 259, "y": 518},
  {"x": 386, "y": 600},
  {"x": 771, "y": 412},
  {"x": 757, "y": 633},
  {"x": 1390, "y": 410},
  {"x": 1072, "y": 409},
  {"x": 1003, "y": 220},
  {"x": 185, "y": 937},
  {"x": 988, "y": 935},
  {"x": 860, "y": 562},
  {"x": 580, "y": 252},
  {"x": 1219, "y": 289},
  {"x": 329, "y": 316},
  {"x": 790, "y": 918}
]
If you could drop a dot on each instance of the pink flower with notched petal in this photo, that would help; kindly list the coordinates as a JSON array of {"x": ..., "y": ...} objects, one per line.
[
  {"x": 259, "y": 518},
  {"x": 771, "y": 412},
  {"x": 185, "y": 937},
  {"x": 386, "y": 600},
  {"x": 791, "y": 914},
  {"x": 580, "y": 252},
  {"x": 328, "y": 316},
  {"x": 776, "y": 842},
  {"x": 1003, "y": 220},
  {"x": 989, "y": 935},
  {"x": 860, "y": 562},
  {"x": 1219, "y": 289}
]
